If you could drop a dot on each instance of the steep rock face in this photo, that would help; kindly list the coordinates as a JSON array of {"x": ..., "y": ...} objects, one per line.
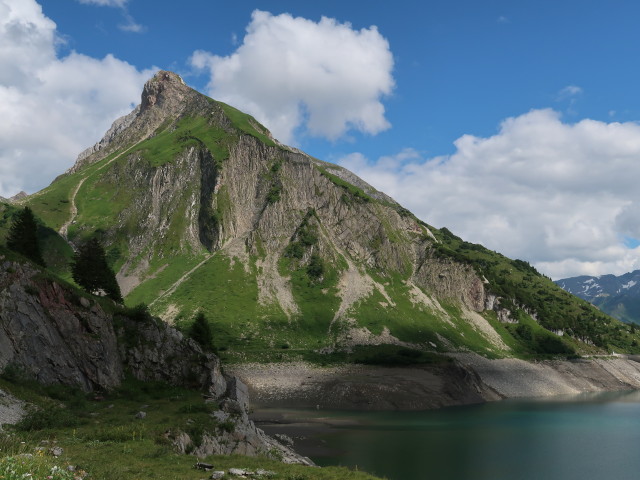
[
  {"x": 448, "y": 279},
  {"x": 60, "y": 337},
  {"x": 153, "y": 351},
  {"x": 165, "y": 96},
  {"x": 51, "y": 338},
  {"x": 117, "y": 127}
]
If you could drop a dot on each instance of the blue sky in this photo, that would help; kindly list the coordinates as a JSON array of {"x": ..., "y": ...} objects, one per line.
[
  {"x": 514, "y": 124},
  {"x": 460, "y": 67}
]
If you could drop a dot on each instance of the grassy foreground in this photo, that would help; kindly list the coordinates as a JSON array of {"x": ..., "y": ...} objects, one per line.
[{"x": 100, "y": 438}]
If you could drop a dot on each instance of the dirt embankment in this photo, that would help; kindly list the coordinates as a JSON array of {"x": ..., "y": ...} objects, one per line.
[
  {"x": 469, "y": 379},
  {"x": 361, "y": 387}
]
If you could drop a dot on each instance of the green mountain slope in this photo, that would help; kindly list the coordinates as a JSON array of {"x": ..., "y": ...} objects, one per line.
[{"x": 202, "y": 210}]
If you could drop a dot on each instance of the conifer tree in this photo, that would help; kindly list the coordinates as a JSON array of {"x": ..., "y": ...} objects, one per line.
[
  {"x": 200, "y": 331},
  {"x": 91, "y": 271},
  {"x": 23, "y": 236}
]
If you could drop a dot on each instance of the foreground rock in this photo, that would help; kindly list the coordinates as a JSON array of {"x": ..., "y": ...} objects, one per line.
[{"x": 12, "y": 409}]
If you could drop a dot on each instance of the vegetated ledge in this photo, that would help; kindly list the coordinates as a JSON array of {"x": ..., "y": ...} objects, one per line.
[{"x": 469, "y": 378}]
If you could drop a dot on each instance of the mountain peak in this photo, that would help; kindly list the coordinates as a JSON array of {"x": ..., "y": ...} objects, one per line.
[{"x": 164, "y": 88}]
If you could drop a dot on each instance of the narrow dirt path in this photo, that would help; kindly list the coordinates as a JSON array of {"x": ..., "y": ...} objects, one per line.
[{"x": 73, "y": 211}]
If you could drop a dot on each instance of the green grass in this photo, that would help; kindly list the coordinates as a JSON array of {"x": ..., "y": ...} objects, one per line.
[
  {"x": 228, "y": 295},
  {"x": 413, "y": 322},
  {"x": 162, "y": 274},
  {"x": 102, "y": 437},
  {"x": 166, "y": 145},
  {"x": 21, "y": 466},
  {"x": 53, "y": 204},
  {"x": 247, "y": 124},
  {"x": 354, "y": 194}
]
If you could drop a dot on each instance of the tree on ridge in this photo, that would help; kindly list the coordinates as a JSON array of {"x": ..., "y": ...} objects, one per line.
[
  {"x": 91, "y": 271},
  {"x": 23, "y": 236}
]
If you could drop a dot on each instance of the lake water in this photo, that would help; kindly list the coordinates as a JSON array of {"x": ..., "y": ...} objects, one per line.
[{"x": 586, "y": 437}]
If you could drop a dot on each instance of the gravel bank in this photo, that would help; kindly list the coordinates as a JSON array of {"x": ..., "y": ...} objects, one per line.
[
  {"x": 470, "y": 379},
  {"x": 513, "y": 378},
  {"x": 361, "y": 387},
  {"x": 11, "y": 409}
]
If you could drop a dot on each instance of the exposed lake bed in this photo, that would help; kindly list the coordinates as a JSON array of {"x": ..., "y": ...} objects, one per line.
[{"x": 585, "y": 436}]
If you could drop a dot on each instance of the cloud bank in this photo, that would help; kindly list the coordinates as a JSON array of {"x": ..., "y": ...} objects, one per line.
[
  {"x": 292, "y": 73},
  {"x": 51, "y": 108},
  {"x": 563, "y": 196}
]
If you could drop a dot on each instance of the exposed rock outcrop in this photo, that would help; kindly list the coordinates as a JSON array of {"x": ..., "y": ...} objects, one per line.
[
  {"x": 231, "y": 188},
  {"x": 57, "y": 336},
  {"x": 51, "y": 335},
  {"x": 236, "y": 433}
]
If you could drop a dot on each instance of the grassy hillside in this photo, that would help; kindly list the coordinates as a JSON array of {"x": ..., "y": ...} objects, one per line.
[
  {"x": 94, "y": 430},
  {"x": 526, "y": 293}
]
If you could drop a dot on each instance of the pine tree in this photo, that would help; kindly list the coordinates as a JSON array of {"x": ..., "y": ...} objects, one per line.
[
  {"x": 200, "y": 331},
  {"x": 23, "y": 236},
  {"x": 91, "y": 271}
]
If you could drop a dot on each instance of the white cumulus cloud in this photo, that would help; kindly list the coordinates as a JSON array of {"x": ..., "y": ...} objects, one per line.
[
  {"x": 291, "y": 73},
  {"x": 52, "y": 107},
  {"x": 563, "y": 196}
]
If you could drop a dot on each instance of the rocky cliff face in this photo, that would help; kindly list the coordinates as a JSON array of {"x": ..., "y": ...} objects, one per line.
[{"x": 60, "y": 337}]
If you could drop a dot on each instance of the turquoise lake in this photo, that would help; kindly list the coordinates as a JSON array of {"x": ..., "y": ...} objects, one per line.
[{"x": 586, "y": 437}]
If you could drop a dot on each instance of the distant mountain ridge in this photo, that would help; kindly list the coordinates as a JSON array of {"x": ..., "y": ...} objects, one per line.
[{"x": 618, "y": 296}]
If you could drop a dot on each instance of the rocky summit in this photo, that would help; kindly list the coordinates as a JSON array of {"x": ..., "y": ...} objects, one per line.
[{"x": 202, "y": 210}]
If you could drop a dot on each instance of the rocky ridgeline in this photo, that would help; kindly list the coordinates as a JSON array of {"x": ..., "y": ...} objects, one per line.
[{"x": 58, "y": 336}]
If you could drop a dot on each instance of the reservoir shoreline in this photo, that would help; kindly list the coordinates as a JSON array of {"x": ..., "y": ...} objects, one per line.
[{"x": 468, "y": 379}]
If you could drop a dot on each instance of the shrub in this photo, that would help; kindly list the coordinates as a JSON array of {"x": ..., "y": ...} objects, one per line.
[
  {"x": 200, "y": 331},
  {"x": 139, "y": 313},
  {"x": 315, "y": 269},
  {"x": 91, "y": 271},
  {"x": 274, "y": 193},
  {"x": 47, "y": 418}
]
